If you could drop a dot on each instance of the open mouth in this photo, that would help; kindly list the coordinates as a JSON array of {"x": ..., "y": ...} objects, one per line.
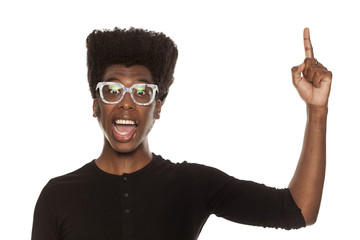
[{"x": 124, "y": 129}]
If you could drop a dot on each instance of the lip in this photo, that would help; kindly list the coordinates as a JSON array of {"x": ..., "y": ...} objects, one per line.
[{"x": 124, "y": 138}]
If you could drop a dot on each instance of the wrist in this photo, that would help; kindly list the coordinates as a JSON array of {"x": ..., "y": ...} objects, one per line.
[{"x": 316, "y": 114}]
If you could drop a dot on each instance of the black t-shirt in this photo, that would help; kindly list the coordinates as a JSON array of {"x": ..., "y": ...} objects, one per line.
[{"x": 162, "y": 201}]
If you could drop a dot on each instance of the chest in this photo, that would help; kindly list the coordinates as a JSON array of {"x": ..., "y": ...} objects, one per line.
[{"x": 131, "y": 209}]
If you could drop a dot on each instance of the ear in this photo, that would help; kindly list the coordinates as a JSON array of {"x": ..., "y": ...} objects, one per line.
[
  {"x": 158, "y": 108},
  {"x": 95, "y": 107}
]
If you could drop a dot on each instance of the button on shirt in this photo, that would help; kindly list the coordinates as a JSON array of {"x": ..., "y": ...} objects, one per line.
[{"x": 162, "y": 201}]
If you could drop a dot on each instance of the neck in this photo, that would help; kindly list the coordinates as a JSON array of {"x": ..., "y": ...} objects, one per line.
[{"x": 118, "y": 163}]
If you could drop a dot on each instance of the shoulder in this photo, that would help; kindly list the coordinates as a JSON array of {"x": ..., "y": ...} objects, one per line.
[
  {"x": 72, "y": 180},
  {"x": 196, "y": 171},
  {"x": 87, "y": 170}
]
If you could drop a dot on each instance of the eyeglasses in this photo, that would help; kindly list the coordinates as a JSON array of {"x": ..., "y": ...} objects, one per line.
[{"x": 112, "y": 93}]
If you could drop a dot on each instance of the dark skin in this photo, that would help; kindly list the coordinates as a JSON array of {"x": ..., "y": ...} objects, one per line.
[
  {"x": 312, "y": 81},
  {"x": 119, "y": 157}
]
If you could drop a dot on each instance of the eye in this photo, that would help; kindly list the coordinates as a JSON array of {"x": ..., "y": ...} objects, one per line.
[
  {"x": 114, "y": 89},
  {"x": 140, "y": 90}
]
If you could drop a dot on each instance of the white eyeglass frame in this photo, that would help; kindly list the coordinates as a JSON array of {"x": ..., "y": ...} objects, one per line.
[{"x": 100, "y": 86}]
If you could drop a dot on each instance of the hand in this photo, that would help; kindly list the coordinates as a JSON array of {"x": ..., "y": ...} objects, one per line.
[{"x": 311, "y": 79}]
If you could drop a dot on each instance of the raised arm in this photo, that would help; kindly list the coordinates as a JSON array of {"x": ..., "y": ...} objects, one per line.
[{"x": 312, "y": 81}]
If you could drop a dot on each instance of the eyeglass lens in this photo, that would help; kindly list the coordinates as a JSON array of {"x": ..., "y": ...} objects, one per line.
[{"x": 140, "y": 93}]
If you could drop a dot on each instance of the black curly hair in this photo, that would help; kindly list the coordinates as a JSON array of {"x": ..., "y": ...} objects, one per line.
[{"x": 132, "y": 46}]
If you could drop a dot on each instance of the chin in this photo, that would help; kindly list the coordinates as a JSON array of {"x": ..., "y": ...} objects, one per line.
[{"x": 127, "y": 147}]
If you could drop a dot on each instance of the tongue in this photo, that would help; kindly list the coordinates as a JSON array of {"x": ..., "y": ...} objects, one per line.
[{"x": 124, "y": 129}]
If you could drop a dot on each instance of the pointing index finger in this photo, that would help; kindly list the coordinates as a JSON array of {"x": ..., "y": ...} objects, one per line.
[{"x": 307, "y": 44}]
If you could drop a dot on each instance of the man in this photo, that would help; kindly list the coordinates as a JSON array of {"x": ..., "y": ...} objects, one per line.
[{"x": 128, "y": 192}]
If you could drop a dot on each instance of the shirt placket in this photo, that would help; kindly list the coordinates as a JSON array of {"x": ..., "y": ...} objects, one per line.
[{"x": 126, "y": 208}]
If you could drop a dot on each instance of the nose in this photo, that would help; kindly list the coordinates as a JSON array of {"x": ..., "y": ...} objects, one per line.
[{"x": 127, "y": 103}]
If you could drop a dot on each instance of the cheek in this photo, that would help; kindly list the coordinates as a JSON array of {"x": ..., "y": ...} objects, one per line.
[
  {"x": 102, "y": 112},
  {"x": 150, "y": 117}
]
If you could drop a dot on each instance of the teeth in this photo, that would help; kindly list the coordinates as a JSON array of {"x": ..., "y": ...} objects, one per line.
[{"x": 125, "y": 122}]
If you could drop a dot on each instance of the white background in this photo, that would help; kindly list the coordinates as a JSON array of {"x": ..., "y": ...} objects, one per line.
[{"x": 232, "y": 105}]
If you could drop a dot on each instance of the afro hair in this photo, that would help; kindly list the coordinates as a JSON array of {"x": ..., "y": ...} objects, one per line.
[{"x": 131, "y": 47}]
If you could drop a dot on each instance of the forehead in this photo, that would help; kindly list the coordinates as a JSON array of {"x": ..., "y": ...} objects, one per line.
[{"x": 122, "y": 73}]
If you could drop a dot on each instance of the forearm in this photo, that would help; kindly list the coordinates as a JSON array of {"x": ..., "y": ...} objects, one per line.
[{"x": 307, "y": 183}]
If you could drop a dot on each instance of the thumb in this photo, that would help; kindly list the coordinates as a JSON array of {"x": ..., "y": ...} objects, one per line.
[{"x": 296, "y": 73}]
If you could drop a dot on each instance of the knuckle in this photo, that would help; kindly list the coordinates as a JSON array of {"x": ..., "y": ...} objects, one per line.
[{"x": 330, "y": 74}]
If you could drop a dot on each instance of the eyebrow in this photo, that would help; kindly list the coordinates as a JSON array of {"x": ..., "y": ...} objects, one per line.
[{"x": 144, "y": 80}]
